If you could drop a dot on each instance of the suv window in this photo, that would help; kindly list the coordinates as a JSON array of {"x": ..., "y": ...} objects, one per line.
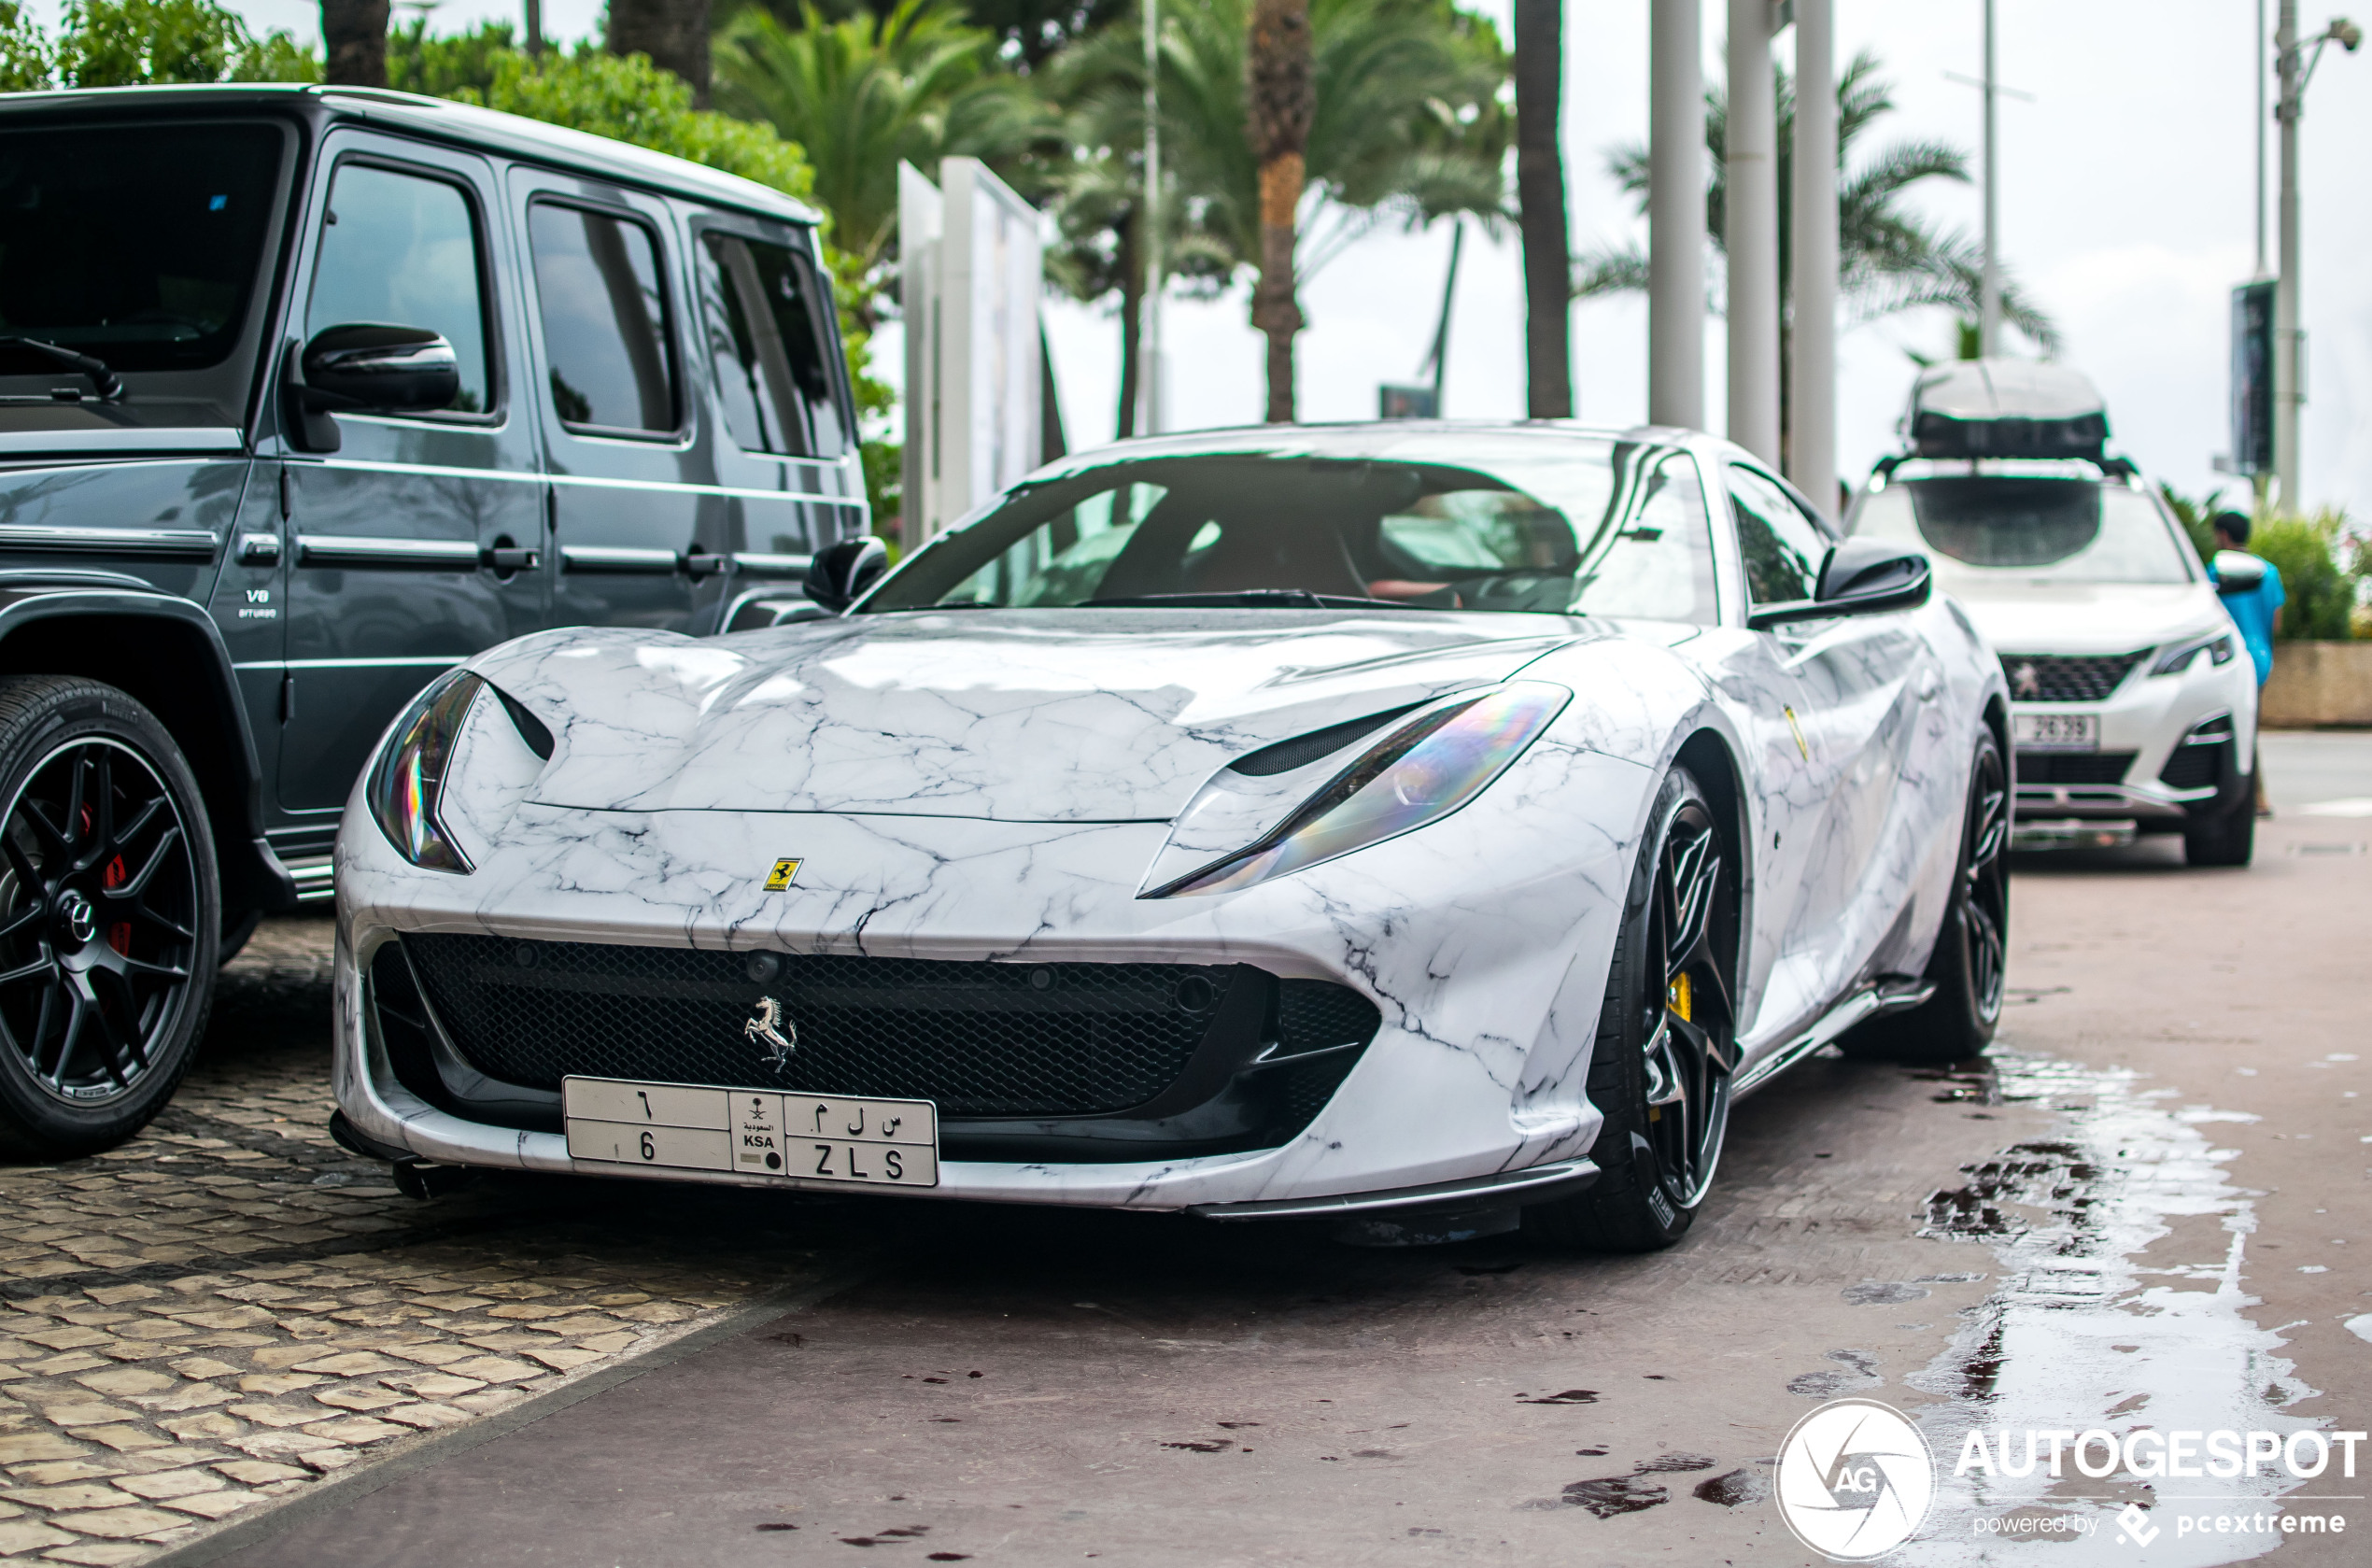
[
  {"x": 1782, "y": 548},
  {"x": 598, "y": 287},
  {"x": 135, "y": 245},
  {"x": 767, "y": 348},
  {"x": 404, "y": 249}
]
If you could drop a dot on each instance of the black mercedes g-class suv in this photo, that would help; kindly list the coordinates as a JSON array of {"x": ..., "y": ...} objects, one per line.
[{"x": 306, "y": 394}]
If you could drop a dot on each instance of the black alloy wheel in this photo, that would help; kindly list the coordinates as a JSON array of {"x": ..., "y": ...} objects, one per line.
[
  {"x": 1970, "y": 969},
  {"x": 108, "y": 917},
  {"x": 1667, "y": 1038}
]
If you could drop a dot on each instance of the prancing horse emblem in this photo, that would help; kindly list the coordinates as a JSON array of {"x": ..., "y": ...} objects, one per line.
[{"x": 780, "y": 1035}]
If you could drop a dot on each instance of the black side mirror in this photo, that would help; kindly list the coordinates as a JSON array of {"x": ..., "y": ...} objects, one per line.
[
  {"x": 2237, "y": 571},
  {"x": 1860, "y": 577},
  {"x": 365, "y": 365},
  {"x": 840, "y": 575},
  {"x": 389, "y": 369}
]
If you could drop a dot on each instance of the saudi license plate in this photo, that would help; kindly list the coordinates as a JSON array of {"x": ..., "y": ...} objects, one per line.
[
  {"x": 2070, "y": 732},
  {"x": 752, "y": 1132}
]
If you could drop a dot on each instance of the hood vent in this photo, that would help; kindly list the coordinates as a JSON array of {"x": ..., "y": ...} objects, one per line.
[{"x": 1302, "y": 750}]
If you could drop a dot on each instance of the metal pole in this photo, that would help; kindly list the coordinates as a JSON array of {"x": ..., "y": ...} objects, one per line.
[
  {"x": 1676, "y": 217},
  {"x": 1753, "y": 234},
  {"x": 1439, "y": 358},
  {"x": 1989, "y": 289},
  {"x": 2261, "y": 118},
  {"x": 2288, "y": 341},
  {"x": 1150, "y": 344},
  {"x": 1811, "y": 397}
]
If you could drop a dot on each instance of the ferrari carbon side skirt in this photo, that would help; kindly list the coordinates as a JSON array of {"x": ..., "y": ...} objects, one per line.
[{"x": 1892, "y": 993}]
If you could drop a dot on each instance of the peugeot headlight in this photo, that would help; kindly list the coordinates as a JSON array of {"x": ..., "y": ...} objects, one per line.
[
  {"x": 409, "y": 774},
  {"x": 2178, "y": 657},
  {"x": 1423, "y": 771}
]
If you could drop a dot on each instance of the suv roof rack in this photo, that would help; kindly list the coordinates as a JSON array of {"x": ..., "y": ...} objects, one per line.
[{"x": 2006, "y": 408}]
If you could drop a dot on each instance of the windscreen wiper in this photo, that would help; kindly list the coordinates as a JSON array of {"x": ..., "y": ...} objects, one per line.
[
  {"x": 1252, "y": 599},
  {"x": 103, "y": 378}
]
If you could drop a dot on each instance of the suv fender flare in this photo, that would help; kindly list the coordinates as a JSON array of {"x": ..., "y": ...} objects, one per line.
[{"x": 166, "y": 652}]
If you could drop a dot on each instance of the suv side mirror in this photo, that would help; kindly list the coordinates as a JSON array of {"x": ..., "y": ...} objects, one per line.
[
  {"x": 364, "y": 365},
  {"x": 2237, "y": 572},
  {"x": 838, "y": 575},
  {"x": 389, "y": 369},
  {"x": 1860, "y": 577}
]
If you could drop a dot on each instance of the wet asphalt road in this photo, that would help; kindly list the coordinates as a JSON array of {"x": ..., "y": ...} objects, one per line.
[{"x": 2148, "y": 1211}]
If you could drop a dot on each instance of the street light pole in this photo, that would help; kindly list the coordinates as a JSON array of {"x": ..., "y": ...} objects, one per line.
[
  {"x": 1676, "y": 216},
  {"x": 1811, "y": 367},
  {"x": 1751, "y": 223},
  {"x": 1989, "y": 288},
  {"x": 2288, "y": 390},
  {"x": 2261, "y": 118}
]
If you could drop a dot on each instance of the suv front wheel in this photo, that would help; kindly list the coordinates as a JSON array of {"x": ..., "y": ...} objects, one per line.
[{"x": 109, "y": 917}]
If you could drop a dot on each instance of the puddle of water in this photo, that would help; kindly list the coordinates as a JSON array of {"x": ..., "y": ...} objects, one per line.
[{"x": 2084, "y": 1331}]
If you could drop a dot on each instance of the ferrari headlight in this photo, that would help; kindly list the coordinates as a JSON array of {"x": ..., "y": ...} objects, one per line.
[
  {"x": 408, "y": 776},
  {"x": 1423, "y": 771},
  {"x": 2178, "y": 657}
]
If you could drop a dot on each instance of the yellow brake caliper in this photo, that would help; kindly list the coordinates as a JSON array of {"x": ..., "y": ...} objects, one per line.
[{"x": 1679, "y": 997}]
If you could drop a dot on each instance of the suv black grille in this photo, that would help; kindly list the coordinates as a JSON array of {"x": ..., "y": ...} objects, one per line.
[
  {"x": 2194, "y": 765},
  {"x": 2073, "y": 768},
  {"x": 2059, "y": 678},
  {"x": 982, "y": 1039}
]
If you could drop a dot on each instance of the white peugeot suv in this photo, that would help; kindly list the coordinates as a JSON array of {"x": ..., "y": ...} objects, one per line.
[{"x": 2133, "y": 704}]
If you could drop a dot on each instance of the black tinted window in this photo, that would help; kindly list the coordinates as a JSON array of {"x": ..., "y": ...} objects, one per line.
[
  {"x": 137, "y": 245},
  {"x": 1576, "y": 527},
  {"x": 767, "y": 341},
  {"x": 402, "y": 249},
  {"x": 1782, "y": 547},
  {"x": 604, "y": 310}
]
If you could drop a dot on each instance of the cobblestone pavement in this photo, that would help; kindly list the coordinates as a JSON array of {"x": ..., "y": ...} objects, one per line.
[{"x": 231, "y": 1305}]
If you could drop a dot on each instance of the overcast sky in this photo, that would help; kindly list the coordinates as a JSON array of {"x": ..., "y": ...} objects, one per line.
[{"x": 2127, "y": 211}]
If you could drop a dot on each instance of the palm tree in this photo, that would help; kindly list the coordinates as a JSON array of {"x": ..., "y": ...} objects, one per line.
[
  {"x": 1888, "y": 259},
  {"x": 1404, "y": 122},
  {"x": 863, "y": 94},
  {"x": 1280, "y": 98},
  {"x": 354, "y": 42}
]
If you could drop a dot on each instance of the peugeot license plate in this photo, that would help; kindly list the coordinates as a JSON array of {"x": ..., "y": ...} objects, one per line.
[
  {"x": 2067, "y": 732},
  {"x": 753, "y": 1131}
]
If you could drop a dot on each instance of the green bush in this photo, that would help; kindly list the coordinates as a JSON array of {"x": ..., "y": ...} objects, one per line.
[{"x": 2320, "y": 593}]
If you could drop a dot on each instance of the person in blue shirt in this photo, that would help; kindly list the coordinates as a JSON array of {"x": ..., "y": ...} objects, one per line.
[{"x": 2258, "y": 612}]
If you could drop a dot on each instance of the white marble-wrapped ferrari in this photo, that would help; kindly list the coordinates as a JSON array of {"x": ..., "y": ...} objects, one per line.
[{"x": 1413, "y": 825}]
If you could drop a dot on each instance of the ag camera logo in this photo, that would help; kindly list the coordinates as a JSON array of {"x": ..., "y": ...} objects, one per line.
[{"x": 1854, "y": 1479}]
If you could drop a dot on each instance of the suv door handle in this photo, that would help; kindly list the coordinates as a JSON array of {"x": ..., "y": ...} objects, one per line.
[
  {"x": 507, "y": 558},
  {"x": 698, "y": 562}
]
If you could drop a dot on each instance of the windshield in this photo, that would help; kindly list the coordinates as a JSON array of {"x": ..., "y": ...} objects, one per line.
[
  {"x": 1987, "y": 530},
  {"x": 135, "y": 246},
  {"x": 1571, "y": 526}
]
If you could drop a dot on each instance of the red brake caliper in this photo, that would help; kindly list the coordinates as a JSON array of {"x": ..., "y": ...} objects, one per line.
[{"x": 119, "y": 934}]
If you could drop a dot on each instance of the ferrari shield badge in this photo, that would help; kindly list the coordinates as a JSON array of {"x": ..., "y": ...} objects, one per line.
[{"x": 784, "y": 873}]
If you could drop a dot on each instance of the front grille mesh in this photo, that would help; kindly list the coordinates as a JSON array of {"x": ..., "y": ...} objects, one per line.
[
  {"x": 2073, "y": 768},
  {"x": 2064, "y": 678},
  {"x": 983, "y": 1041}
]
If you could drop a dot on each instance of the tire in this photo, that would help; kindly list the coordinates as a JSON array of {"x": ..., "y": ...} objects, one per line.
[
  {"x": 1667, "y": 1038},
  {"x": 2229, "y": 839},
  {"x": 1969, "y": 966},
  {"x": 110, "y": 917}
]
